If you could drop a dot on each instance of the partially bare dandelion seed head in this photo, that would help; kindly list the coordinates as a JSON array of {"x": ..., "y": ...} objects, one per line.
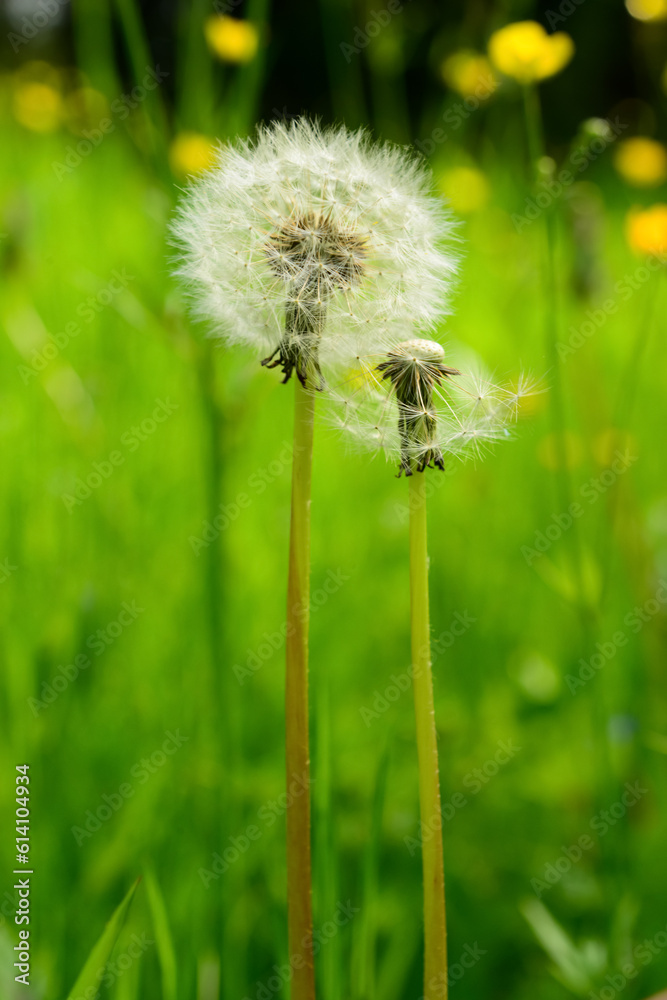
[
  {"x": 411, "y": 405},
  {"x": 311, "y": 245}
]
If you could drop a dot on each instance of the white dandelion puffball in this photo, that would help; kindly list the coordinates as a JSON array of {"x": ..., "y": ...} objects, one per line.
[
  {"x": 312, "y": 244},
  {"x": 416, "y": 409}
]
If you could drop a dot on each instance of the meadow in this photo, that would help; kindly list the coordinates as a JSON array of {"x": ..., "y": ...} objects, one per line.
[{"x": 143, "y": 539}]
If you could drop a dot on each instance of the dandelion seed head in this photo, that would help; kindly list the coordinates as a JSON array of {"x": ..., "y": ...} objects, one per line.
[
  {"x": 319, "y": 237},
  {"x": 408, "y": 404}
]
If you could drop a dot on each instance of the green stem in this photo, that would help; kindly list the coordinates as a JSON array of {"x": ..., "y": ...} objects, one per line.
[
  {"x": 435, "y": 931},
  {"x": 547, "y": 237},
  {"x": 299, "y": 901}
]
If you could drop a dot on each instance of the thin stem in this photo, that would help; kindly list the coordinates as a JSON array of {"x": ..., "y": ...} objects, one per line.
[
  {"x": 435, "y": 931},
  {"x": 547, "y": 236},
  {"x": 299, "y": 901}
]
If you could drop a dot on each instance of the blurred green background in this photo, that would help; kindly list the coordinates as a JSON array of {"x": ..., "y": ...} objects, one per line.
[{"x": 125, "y": 432}]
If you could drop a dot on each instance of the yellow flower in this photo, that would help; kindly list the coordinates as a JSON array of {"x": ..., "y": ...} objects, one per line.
[
  {"x": 647, "y": 10},
  {"x": 557, "y": 451},
  {"x": 641, "y": 161},
  {"x": 470, "y": 73},
  {"x": 524, "y": 51},
  {"x": 646, "y": 230},
  {"x": 466, "y": 188},
  {"x": 37, "y": 106},
  {"x": 230, "y": 39},
  {"x": 191, "y": 153}
]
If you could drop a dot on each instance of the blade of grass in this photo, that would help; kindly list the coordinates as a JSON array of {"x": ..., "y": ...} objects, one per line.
[
  {"x": 163, "y": 939},
  {"x": 325, "y": 845},
  {"x": 93, "y": 40},
  {"x": 89, "y": 978},
  {"x": 152, "y": 105},
  {"x": 364, "y": 972},
  {"x": 242, "y": 98}
]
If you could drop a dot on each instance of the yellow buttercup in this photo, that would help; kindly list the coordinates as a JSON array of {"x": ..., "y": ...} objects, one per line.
[
  {"x": 525, "y": 51},
  {"x": 191, "y": 153},
  {"x": 231, "y": 39},
  {"x": 646, "y": 230},
  {"x": 641, "y": 161}
]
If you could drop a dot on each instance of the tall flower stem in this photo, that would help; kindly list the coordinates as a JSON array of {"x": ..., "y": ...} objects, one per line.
[
  {"x": 297, "y": 757},
  {"x": 435, "y": 930}
]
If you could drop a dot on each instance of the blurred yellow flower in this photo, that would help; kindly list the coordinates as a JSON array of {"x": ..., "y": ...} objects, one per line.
[
  {"x": 469, "y": 73},
  {"x": 525, "y": 51},
  {"x": 647, "y": 10},
  {"x": 230, "y": 39},
  {"x": 646, "y": 230},
  {"x": 558, "y": 451},
  {"x": 641, "y": 161},
  {"x": 191, "y": 153},
  {"x": 609, "y": 443},
  {"x": 37, "y": 106},
  {"x": 466, "y": 188}
]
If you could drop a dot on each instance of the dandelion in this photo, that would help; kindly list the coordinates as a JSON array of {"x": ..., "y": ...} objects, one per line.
[
  {"x": 232, "y": 39},
  {"x": 419, "y": 411},
  {"x": 525, "y": 52},
  {"x": 308, "y": 245},
  {"x": 641, "y": 161},
  {"x": 311, "y": 244}
]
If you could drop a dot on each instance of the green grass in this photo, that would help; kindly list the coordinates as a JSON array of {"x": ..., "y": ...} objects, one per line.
[{"x": 503, "y": 680}]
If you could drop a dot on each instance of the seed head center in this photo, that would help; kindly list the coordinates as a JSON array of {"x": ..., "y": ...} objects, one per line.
[{"x": 314, "y": 251}]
